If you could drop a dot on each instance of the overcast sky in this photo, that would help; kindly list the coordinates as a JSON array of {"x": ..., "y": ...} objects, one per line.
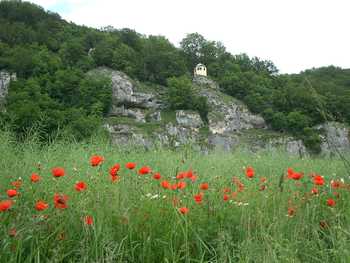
[{"x": 294, "y": 34}]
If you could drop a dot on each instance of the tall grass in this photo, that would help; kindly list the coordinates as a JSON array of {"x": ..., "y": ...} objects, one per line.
[{"x": 135, "y": 220}]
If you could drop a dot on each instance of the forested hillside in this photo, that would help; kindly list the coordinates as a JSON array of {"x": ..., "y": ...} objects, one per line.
[{"x": 51, "y": 56}]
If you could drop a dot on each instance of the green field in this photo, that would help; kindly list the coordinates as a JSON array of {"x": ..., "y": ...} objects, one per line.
[{"x": 135, "y": 219}]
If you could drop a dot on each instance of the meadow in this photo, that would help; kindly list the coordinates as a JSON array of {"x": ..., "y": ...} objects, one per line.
[{"x": 86, "y": 202}]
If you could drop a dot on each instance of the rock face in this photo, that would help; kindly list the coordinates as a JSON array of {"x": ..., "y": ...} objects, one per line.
[
  {"x": 188, "y": 119},
  {"x": 335, "y": 138},
  {"x": 5, "y": 79}
]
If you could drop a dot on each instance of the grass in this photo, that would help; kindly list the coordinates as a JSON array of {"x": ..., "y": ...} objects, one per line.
[{"x": 136, "y": 220}]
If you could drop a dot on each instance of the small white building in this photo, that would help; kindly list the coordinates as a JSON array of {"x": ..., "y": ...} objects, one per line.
[{"x": 200, "y": 70}]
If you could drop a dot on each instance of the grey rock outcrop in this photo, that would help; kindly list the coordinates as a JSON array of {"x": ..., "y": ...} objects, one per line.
[
  {"x": 335, "y": 137},
  {"x": 5, "y": 79},
  {"x": 189, "y": 119}
]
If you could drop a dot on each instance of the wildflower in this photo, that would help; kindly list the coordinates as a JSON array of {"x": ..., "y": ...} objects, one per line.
[
  {"x": 330, "y": 202},
  {"x": 226, "y": 197},
  {"x": 262, "y": 187},
  {"x": 114, "y": 170},
  {"x": 336, "y": 184},
  {"x": 291, "y": 211},
  {"x": 226, "y": 190},
  {"x": 80, "y": 186},
  {"x": 198, "y": 198},
  {"x": 157, "y": 176},
  {"x": 249, "y": 172},
  {"x": 174, "y": 187},
  {"x": 181, "y": 185},
  {"x": 204, "y": 186},
  {"x": 181, "y": 175},
  {"x": 130, "y": 165},
  {"x": 296, "y": 176},
  {"x": 58, "y": 172},
  {"x": 318, "y": 180},
  {"x": 5, "y": 205},
  {"x": 263, "y": 179},
  {"x": 17, "y": 183},
  {"x": 144, "y": 170},
  {"x": 115, "y": 178},
  {"x": 290, "y": 172},
  {"x": 35, "y": 178},
  {"x": 314, "y": 191},
  {"x": 183, "y": 210},
  {"x": 60, "y": 201},
  {"x": 89, "y": 220},
  {"x": 96, "y": 160},
  {"x": 11, "y": 192},
  {"x": 165, "y": 184},
  {"x": 41, "y": 205}
]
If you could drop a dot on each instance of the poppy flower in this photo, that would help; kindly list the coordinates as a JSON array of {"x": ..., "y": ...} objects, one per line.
[
  {"x": 5, "y": 205},
  {"x": 294, "y": 175},
  {"x": 165, "y": 184},
  {"x": 189, "y": 174},
  {"x": 58, "y": 172},
  {"x": 226, "y": 197},
  {"x": 330, "y": 202},
  {"x": 291, "y": 211},
  {"x": 249, "y": 172},
  {"x": 88, "y": 220},
  {"x": 35, "y": 178},
  {"x": 204, "y": 186},
  {"x": 263, "y": 179},
  {"x": 336, "y": 184},
  {"x": 198, "y": 198},
  {"x": 41, "y": 205},
  {"x": 17, "y": 183},
  {"x": 262, "y": 187},
  {"x": 181, "y": 175},
  {"x": 114, "y": 170},
  {"x": 144, "y": 170},
  {"x": 115, "y": 178},
  {"x": 130, "y": 165},
  {"x": 290, "y": 172},
  {"x": 11, "y": 192},
  {"x": 183, "y": 210},
  {"x": 80, "y": 186},
  {"x": 318, "y": 180},
  {"x": 173, "y": 187},
  {"x": 314, "y": 191},
  {"x": 226, "y": 190},
  {"x": 181, "y": 185},
  {"x": 157, "y": 176},
  {"x": 96, "y": 160},
  {"x": 60, "y": 201}
]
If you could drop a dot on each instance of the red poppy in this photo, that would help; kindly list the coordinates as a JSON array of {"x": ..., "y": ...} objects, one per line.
[
  {"x": 314, "y": 191},
  {"x": 115, "y": 178},
  {"x": 88, "y": 220},
  {"x": 5, "y": 205},
  {"x": 294, "y": 175},
  {"x": 291, "y": 211},
  {"x": 318, "y": 180},
  {"x": 60, "y": 201},
  {"x": 204, "y": 186},
  {"x": 263, "y": 179},
  {"x": 226, "y": 190},
  {"x": 144, "y": 170},
  {"x": 198, "y": 198},
  {"x": 11, "y": 192},
  {"x": 290, "y": 172},
  {"x": 130, "y": 165},
  {"x": 189, "y": 174},
  {"x": 96, "y": 160},
  {"x": 226, "y": 197},
  {"x": 58, "y": 172},
  {"x": 157, "y": 176},
  {"x": 181, "y": 175},
  {"x": 165, "y": 185},
  {"x": 181, "y": 185},
  {"x": 35, "y": 178},
  {"x": 249, "y": 172},
  {"x": 336, "y": 184},
  {"x": 114, "y": 170},
  {"x": 80, "y": 186},
  {"x": 262, "y": 187},
  {"x": 331, "y": 202},
  {"x": 183, "y": 210},
  {"x": 17, "y": 183},
  {"x": 41, "y": 205},
  {"x": 173, "y": 187}
]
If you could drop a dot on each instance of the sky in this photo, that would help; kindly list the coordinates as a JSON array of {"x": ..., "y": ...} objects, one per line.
[{"x": 294, "y": 34}]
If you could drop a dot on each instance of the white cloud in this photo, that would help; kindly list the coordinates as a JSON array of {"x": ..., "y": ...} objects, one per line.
[{"x": 294, "y": 34}]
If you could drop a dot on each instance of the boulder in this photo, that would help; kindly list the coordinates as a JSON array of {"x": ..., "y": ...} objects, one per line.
[{"x": 335, "y": 137}]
